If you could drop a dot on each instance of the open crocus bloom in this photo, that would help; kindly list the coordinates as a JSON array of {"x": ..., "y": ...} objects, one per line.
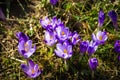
[
  {"x": 93, "y": 63},
  {"x": 100, "y": 37},
  {"x": 101, "y": 18},
  {"x": 50, "y": 38},
  {"x": 92, "y": 48},
  {"x": 31, "y": 70},
  {"x": 62, "y": 32},
  {"x": 25, "y": 48},
  {"x": 63, "y": 50}
]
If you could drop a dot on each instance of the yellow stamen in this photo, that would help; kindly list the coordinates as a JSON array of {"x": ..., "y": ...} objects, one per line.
[
  {"x": 65, "y": 51},
  {"x": 48, "y": 22},
  {"x": 100, "y": 38},
  {"x": 26, "y": 47},
  {"x": 51, "y": 37},
  {"x": 33, "y": 71},
  {"x": 63, "y": 33}
]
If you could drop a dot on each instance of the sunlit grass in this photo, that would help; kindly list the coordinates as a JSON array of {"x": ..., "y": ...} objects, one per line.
[{"x": 80, "y": 16}]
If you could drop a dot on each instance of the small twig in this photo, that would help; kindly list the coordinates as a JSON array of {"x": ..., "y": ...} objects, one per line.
[{"x": 18, "y": 60}]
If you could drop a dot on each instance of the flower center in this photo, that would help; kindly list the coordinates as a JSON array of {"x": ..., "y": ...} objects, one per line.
[
  {"x": 65, "y": 51},
  {"x": 100, "y": 38},
  {"x": 63, "y": 32},
  {"x": 51, "y": 37},
  {"x": 26, "y": 47},
  {"x": 33, "y": 71},
  {"x": 48, "y": 22}
]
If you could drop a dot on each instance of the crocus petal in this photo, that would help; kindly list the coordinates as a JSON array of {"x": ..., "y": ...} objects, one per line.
[
  {"x": 24, "y": 67},
  {"x": 29, "y": 44},
  {"x": 30, "y": 52},
  {"x": 69, "y": 48},
  {"x": 59, "y": 47},
  {"x": 2, "y": 16},
  {"x": 101, "y": 18},
  {"x": 21, "y": 45},
  {"x": 94, "y": 37},
  {"x": 99, "y": 33},
  {"x": 36, "y": 67},
  {"x": 59, "y": 53},
  {"x": 31, "y": 64}
]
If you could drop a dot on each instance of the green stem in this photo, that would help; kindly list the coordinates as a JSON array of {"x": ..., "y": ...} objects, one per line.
[
  {"x": 92, "y": 74},
  {"x": 65, "y": 65}
]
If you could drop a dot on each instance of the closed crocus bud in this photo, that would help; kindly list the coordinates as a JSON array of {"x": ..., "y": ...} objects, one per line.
[
  {"x": 113, "y": 16},
  {"x": 117, "y": 46},
  {"x": 92, "y": 48},
  {"x": 31, "y": 70},
  {"x": 93, "y": 63},
  {"x": 101, "y": 18},
  {"x": 83, "y": 46}
]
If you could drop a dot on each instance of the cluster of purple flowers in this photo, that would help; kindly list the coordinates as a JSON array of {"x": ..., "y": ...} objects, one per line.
[
  {"x": 57, "y": 33},
  {"x": 91, "y": 47},
  {"x": 26, "y": 50},
  {"x": 114, "y": 18}
]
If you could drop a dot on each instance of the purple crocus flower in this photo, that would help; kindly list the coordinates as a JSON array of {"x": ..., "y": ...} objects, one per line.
[
  {"x": 31, "y": 70},
  {"x": 117, "y": 46},
  {"x": 50, "y": 24},
  {"x": 55, "y": 23},
  {"x": 25, "y": 48},
  {"x": 62, "y": 33},
  {"x": 101, "y": 18},
  {"x": 100, "y": 37},
  {"x": 45, "y": 21},
  {"x": 113, "y": 16},
  {"x": 93, "y": 63},
  {"x": 21, "y": 36},
  {"x": 84, "y": 46},
  {"x": 92, "y": 48},
  {"x": 50, "y": 38},
  {"x": 53, "y": 2},
  {"x": 75, "y": 38},
  {"x": 63, "y": 50}
]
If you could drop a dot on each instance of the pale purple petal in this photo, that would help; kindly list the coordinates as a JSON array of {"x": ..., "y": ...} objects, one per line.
[
  {"x": 30, "y": 52},
  {"x": 31, "y": 64},
  {"x": 94, "y": 37}
]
